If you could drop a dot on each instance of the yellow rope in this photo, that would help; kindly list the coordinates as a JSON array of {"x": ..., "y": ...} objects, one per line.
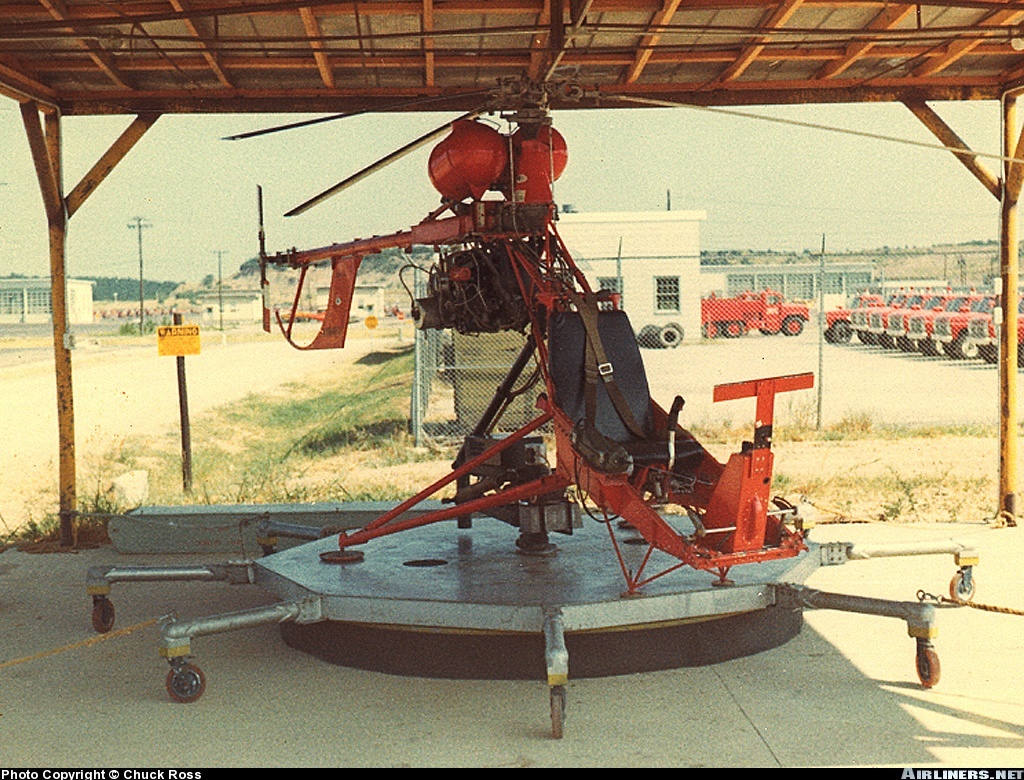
[
  {"x": 982, "y": 607},
  {"x": 84, "y": 643}
]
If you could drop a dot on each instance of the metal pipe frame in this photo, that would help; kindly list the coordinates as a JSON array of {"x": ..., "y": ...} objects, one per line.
[
  {"x": 101, "y": 578},
  {"x": 176, "y": 635},
  {"x": 919, "y": 616}
]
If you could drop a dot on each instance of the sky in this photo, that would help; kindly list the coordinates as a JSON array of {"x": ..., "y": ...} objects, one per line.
[{"x": 763, "y": 185}]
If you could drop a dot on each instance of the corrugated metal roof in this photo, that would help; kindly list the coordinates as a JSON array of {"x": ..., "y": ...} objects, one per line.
[{"x": 133, "y": 56}]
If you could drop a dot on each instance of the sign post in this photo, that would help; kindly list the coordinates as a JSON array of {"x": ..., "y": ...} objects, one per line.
[{"x": 180, "y": 340}]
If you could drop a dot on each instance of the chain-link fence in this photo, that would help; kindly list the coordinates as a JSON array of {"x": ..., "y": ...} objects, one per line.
[{"x": 920, "y": 358}]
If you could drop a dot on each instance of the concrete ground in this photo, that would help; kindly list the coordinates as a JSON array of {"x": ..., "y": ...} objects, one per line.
[{"x": 844, "y": 692}]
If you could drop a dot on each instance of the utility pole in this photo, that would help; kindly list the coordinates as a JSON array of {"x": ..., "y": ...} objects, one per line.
[
  {"x": 220, "y": 284},
  {"x": 137, "y": 224}
]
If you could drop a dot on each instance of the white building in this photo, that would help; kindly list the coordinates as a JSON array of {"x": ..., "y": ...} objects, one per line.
[
  {"x": 367, "y": 299},
  {"x": 235, "y": 306},
  {"x": 651, "y": 258},
  {"x": 30, "y": 300}
]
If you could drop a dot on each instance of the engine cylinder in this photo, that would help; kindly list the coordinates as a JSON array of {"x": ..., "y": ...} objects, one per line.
[{"x": 468, "y": 161}]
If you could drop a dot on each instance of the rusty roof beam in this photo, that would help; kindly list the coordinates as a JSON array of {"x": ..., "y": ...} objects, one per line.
[
  {"x": 776, "y": 19},
  {"x": 949, "y": 138},
  {"x": 958, "y": 48},
  {"x": 886, "y": 20},
  {"x": 427, "y": 43},
  {"x": 649, "y": 41},
  {"x": 182, "y": 6},
  {"x": 323, "y": 64},
  {"x": 104, "y": 60}
]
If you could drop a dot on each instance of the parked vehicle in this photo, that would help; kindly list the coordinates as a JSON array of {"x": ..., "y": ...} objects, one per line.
[
  {"x": 839, "y": 321},
  {"x": 897, "y": 327},
  {"x": 921, "y": 325},
  {"x": 767, "y": 311},
  {"x": 951, "y": 327},
  {"x": 982, "y": 331},
  {"x": 860, "y": 320},
  {"x": 878, "y": 320}
]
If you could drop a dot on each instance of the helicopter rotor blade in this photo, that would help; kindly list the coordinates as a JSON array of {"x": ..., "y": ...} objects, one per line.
[
  {"x": 319, "y": 120},
  {"x": 380, "y": 164}
]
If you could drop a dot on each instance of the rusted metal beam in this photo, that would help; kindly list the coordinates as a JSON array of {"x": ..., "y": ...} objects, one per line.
[
  {"x": 428, "y": 43},
  {"x": 17, "y": 85},
  {"x": 890, "y": 17},
  {"x": 108, "y": 161},
  {"x": 959, "y": 48},
  {"x": 45, "y": 146},
  {"x": 949, "y": 138},
  {"x": 211, "y": 59},
  {"x": 1009, "y": 274},
  {"x": 103, "y": 59},
  {"x": 323, "y": 64},
  {"x": 649, "y": 41},
  {"x": 775, "y": 20},
  {"x": 45, "y": 172}
]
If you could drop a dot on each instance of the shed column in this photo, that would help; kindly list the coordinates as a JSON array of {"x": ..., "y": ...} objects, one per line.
[{"x": 1008, "y": 272}]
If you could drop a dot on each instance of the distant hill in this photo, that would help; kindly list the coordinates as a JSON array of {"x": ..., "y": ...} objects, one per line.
[
  {"x": 970, "y": 263},
  {"x": 111, "y": 288}
]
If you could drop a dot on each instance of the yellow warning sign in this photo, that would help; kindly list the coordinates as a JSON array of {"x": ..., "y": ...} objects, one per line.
[
  {"x": 177, "y": 340},
  {"x": 371, "y": 322}
]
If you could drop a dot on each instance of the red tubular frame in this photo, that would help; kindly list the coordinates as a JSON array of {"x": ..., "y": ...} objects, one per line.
[{"x": 731, "y": 499}]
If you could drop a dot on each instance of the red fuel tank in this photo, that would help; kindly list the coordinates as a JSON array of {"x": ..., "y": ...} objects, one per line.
[
  {"x": 468, "y": 161},
  {"x": 538, "y": 164}
]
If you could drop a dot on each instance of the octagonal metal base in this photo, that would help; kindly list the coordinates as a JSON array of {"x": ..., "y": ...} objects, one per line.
[{"x": 443, "y": 602}]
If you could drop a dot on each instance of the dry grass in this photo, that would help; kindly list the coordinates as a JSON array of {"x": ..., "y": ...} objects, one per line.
[{"x": 342, "y": 435}]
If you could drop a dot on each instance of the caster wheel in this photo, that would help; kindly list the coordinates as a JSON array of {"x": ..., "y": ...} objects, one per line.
[
  {"x": 185, "y": 683},
  {"x": 928, "y": 669},
  {"x": 557, "y": 710},
  {"x": 961, "y": 587},
  {"x": 102, "y": 614}
]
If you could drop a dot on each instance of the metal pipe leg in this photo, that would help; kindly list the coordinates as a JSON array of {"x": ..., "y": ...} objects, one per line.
[
  {"x": 919, "y": 617},
  {"x": 185, "y": 681},
  {"x": 556, "y": 658}
]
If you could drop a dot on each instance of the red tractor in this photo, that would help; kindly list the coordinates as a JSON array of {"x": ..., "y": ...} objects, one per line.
[
  {"x": 951, "y": 327},
  {"x": 839, "y": 321},
  {"x": 767, "y": 311}
]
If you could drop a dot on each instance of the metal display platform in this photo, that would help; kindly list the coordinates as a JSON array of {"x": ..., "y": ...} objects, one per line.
[
  {"x": 441, "y": 602},
  {"x": 449, "y": 602}
]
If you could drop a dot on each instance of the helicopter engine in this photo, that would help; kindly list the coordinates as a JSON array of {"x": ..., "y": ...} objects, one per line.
[{"x": 472, "y": 291}]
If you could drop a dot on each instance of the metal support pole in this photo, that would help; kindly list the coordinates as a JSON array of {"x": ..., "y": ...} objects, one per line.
[
  {"x": 186, "y": 427},
  {"x": 821, "y": 326},
  {"x": 1009, "y": 274}
]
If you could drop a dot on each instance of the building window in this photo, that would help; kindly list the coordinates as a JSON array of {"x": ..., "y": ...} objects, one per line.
[
  {"x": 666, "y": 293},
  {"x": 10, "y": 302},
  {"x": 38, "y": 301},
  {"x": 611, "y": 284}
]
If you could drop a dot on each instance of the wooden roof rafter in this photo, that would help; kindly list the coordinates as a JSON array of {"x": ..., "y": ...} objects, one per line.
[
  {"x": 183, "y": 7},
  {"x": 650, "y": 41},
  {"x": 323, "y": 63},
  {"x": 774, "y": 20},
  {"x": 104, "y": 60}
]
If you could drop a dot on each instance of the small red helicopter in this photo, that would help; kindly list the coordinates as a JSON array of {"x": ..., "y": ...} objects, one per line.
[{"x": 619, "y": 456}]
